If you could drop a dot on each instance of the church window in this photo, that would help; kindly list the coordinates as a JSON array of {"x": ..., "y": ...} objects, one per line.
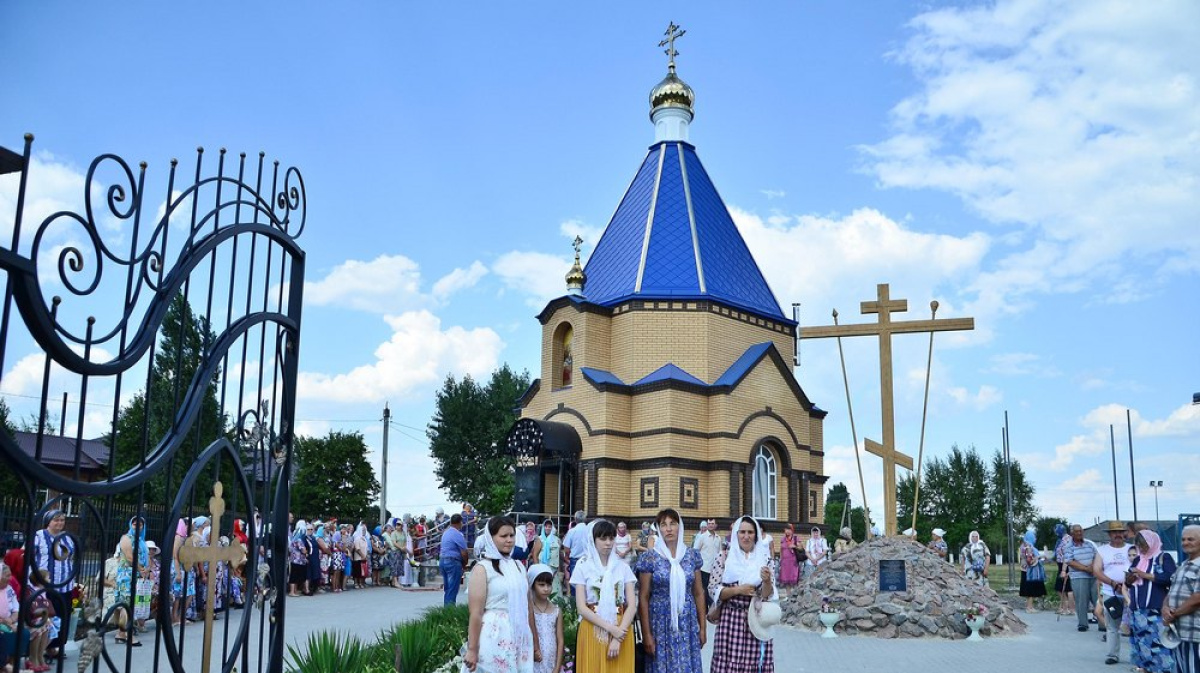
[
  {"x": 764, "y": 484},
  {"x": 564, "y": 356}
]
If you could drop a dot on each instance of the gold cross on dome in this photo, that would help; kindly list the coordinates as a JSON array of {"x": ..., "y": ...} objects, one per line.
[
  {"x": 885, "y": 306},
  {"x": 673, "y": 33},
  {"x": 190, "y": 555}
]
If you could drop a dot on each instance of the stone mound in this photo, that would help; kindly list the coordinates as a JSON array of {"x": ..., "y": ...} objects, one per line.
[{"x": 934, "y": 606}]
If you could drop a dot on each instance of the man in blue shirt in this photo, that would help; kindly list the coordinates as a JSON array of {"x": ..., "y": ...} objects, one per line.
[{"x": 453, "y": 560}]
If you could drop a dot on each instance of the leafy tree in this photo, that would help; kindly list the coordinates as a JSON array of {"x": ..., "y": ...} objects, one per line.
[
  {"x": 466, "y": 438},
  {"x": 10, "y": 484},
  {"x": 835, "y": 504},
  {"x": 183, "y": 342},
  {"x": 961, "y": 493},
  {"x": 334, "y": 478},
  {"x": 1045, "y": 531}
]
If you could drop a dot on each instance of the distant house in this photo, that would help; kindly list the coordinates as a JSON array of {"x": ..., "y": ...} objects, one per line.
[{"x": 64, "y": 454}]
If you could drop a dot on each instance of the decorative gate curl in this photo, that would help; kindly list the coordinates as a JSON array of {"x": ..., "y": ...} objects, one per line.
[{"x": 171, "y": 325}]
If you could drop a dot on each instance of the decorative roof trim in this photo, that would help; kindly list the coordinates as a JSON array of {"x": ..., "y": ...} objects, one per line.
[
  {"x": 687, "y": 195},
  {"x": 637, "y": 288}
]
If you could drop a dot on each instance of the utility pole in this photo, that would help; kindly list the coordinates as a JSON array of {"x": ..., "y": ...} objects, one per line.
[
  {"x": 1132, "y": 478},
  {"x": 387, "y": 422},
  {"x": 1112, "y": 441},
  {"x": 1009, "y": 517}
]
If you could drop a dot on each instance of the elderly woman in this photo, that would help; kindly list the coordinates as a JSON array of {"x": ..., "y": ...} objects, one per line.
[
  {"x": 399, "y": 552},
  {"x": 937, "y": 544},
  {"x": 1033, "y": 575},
  {"x": 298, "y": 553},
  {"x": 845, "y": 542},
  {"x": 671, "y": 600},
  {"x": 550, "y": 553},
  {"x": 624, "y": 544},
  {"x": 1181, "y": 610},
  {"x": 739, "y": 574},
  {"x": 1148, "y": 579},
  {"x": 133, "y": 550},
  {"x": 791, "y": 554},
  {"x": 976, "y": 558},
  {"x": 1062, "y": 582},
  {"x": 817, "y": 549}
]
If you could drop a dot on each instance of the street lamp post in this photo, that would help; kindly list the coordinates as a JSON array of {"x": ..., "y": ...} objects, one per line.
[{"x": 1156, "y": 485}]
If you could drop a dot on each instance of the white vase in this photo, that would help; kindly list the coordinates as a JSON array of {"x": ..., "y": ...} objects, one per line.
[
  {"x": 975, "y": 623},
  {"x": 829, "y": 619}
]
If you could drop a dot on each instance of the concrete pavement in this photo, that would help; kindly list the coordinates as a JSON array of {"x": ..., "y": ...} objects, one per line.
[{"x": 1050, "y": 643}]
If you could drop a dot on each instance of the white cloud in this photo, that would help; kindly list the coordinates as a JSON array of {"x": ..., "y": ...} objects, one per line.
[
  {"x": 414, "y": 361},
  {"x": 536, "y": 274},
  {"x": 459, "y": 279},
  {"x": 590, "y": 235},
  {"x": 1076, "y": 122},
  {"x": 986, "y": 396},
  {"x": 773, "y": 193},
  {"x": 828, "y": 263},
  {"x": 1182, "y": 422},
  {"x": 1078, "y": 445},
  {"x": 386, "y": 284},
  {"x": 1020, "y": 364}
]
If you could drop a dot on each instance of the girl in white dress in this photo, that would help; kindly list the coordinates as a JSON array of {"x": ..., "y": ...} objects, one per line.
[
  {"x": 547, "y": 619},
  {"x": 500, "y": 634}
]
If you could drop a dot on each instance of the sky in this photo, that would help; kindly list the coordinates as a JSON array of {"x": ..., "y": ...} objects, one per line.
[{"x": 1033, "y": 165}]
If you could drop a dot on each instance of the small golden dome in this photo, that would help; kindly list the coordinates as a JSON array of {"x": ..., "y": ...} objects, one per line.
[
  {"x": 576, "y": 277},
  {"x": 672, "y": 92}
]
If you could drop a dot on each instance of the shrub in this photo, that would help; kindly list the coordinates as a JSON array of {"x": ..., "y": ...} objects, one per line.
[{"x": 330, "y": 652}]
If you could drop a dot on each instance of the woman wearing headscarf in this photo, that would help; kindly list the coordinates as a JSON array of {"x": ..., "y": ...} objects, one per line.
[
  {"x": 741, "y": 573},
  {"x": 314, "y": 560},
  {"x": 550, "y": 552},
  {"x": 1149, "y": 579},
  {"x": 1062, "y": 582},
  {"x": 360, "y": 554},
  {"x": 1033, "y": 576},
  {"x": 133, "y": 550},
  {"x": 975, "y": 559},
  {"x": 790, "y": 553},
  {"x": 817, "y": 549},
  {"x": 323, "y": 552},
  {"x": 671, "y": 600},
  {"x": 298, "y": 552},
  {"x": 337, "y": 559},
  {"x": 532, "y": 542},
  {"x": 469, "y": 520},
  {"x": 606, "y": 597},
  {"x": 501, "y": 637},
  {"x": 183, "y": 580},
  {"x": 623, "y": 545},
  {"x": 937, "y": 544},
  {"x": 400, "y": 551}
]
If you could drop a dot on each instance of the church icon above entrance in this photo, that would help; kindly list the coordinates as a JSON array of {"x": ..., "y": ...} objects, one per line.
[{"x": 663, "y": 371}]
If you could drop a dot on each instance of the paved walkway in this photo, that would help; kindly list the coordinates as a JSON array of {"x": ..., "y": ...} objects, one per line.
[{"x": 1050, "y": 643}]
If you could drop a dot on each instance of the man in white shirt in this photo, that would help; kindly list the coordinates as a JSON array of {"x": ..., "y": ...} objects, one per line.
[
  {"x": 709, "y": 545},
  {"x": 1109, "y": 567},
  {"x": 576, "y": 541}
]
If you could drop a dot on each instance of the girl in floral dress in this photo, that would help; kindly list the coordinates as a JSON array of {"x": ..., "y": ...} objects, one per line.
[
  {"x": 673, "y": 629},
  {"x": 500, "y": 633},
  {"x": 547, "y": 619},
  {"x": 606, "y": 596}
]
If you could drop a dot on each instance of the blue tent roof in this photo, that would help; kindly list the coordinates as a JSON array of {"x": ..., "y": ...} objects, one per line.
[{"x": 672, "y": 238}]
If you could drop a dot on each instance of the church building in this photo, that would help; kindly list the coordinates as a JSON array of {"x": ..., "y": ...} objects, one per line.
[{"x": 666, "y": 374}]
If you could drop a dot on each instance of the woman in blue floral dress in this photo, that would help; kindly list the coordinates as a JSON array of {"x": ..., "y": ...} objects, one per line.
[{"x": 673, "y": 630}]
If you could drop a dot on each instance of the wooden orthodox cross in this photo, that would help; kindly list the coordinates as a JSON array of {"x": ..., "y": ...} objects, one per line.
[
  {"x": 884, "y": 305},
  {"x": 190, "y": 555}
]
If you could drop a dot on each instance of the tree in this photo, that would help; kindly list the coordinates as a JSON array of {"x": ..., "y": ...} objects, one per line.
[
  {"x": 334, "y": 478},
  {"x": 835, "y": 506},
  {"x": 182, "y": 347},
  {"x": 466, "y": 438},
  {"x": 10, "y": 484},
  {"x": 962, "y": 493}
]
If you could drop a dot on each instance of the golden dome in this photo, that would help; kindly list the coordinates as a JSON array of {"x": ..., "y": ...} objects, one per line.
[
  {"x": 672, "y": 92},
  {"x": 576, "y": 277}
]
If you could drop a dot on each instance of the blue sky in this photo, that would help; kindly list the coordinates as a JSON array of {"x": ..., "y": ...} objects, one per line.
[{"x": 1034, "y": 165}]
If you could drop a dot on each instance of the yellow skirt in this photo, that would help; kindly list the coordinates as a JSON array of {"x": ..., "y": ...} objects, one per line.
[{"x": 591, "y": 653}]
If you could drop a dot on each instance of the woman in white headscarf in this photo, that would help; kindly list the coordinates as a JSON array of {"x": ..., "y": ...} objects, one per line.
[
  {"x": 976, "y": 558},
  {"x": 743, "y": 572},
  {"x": 671, "y": 600},
  {"x": 606, "y": 596},
  {"x": 817, "y": 549},
  {"x": 298, "y": 552},
  {"x": 501, "y": 636}
]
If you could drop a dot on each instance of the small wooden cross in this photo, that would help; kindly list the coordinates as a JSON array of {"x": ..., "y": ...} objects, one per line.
[
  {"x": 885, "y": 306},
  {"x": 191, "y": 555},
  {"x": 673, "y": 33}
]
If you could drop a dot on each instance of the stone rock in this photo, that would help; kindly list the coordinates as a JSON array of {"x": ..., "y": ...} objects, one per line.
[{"x": 933, "y": 606}]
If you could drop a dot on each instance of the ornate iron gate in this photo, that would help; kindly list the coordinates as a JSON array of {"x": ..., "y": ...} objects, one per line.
[{"x": 168, "y": 315}]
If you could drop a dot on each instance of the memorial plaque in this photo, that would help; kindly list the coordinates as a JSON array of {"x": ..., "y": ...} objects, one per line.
[{"x": 892, "y": 576}]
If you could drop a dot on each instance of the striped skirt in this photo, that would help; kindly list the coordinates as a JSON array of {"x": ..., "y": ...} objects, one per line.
[
  {"x": 735, "y": 649},
  {"x": 1187, "y": 657}
]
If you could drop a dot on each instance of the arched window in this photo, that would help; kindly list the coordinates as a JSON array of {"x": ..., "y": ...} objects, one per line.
[
  {"x": 563, "y": 357},
  {"x": 764, "y": 485}
]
